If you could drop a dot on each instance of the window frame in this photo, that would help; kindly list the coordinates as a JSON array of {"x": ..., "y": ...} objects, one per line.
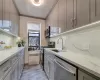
[{"x": 33, "y": 36}]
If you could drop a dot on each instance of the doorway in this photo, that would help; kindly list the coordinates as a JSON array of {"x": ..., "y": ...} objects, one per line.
[{"x": 34, "y": 42}]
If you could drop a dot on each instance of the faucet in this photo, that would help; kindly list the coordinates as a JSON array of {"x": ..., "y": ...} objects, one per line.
[{"x": 62, "y": 42}]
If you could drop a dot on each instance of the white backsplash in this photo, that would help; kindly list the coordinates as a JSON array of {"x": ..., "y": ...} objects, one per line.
[
  {"x": 85, "y": 40},
  {"x": 9, "y": 40}
]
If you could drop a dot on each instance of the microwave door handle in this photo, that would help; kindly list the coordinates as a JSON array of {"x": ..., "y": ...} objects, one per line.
[{"x": 65, "y": 68}]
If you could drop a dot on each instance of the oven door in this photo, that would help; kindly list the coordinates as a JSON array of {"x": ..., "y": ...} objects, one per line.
[{"x": 63, "y": 73}]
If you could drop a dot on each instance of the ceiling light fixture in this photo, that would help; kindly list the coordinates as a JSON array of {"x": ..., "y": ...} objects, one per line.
[{"x": 37, "y": 2}]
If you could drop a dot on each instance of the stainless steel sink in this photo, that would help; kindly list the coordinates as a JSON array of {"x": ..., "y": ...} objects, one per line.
[{"x": 55, "y": 50}]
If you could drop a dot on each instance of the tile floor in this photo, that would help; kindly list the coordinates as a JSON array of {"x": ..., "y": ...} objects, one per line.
[{"x": 33, "y": 73}]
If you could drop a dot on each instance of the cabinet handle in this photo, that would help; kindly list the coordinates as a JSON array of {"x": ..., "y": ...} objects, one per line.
[
  {"x": 95, "y": 7},
  {"x": 72, "y": 21},
  {"x": 75, "y": 22}
]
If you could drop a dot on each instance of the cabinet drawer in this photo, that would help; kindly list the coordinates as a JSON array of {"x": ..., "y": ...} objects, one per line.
[
  {"x": 5, "y": 68},
  {"x": 49, "y": 55}
]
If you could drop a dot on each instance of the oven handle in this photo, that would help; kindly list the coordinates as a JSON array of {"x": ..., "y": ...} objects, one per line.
[{"x": 73, "y": 73}]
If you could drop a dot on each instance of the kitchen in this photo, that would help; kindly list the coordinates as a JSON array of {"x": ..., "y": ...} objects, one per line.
[{"x": 49, "y": 40}]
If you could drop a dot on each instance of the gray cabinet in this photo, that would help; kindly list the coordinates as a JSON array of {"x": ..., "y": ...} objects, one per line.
[
  {"x": 49, "y": 65},
  {"x": 95, "y": 10},
  {"x": 14, "y": 74},
  {"x": 84, "y": 76},
  {"x": 54, "y": 20},
  {"x": 6, "y": 15},
  {"x": 51, "y": 70},
  {"x": 70, "y": 14},
  {"x": 54, "y": 17},
  {"x": 6, "y": 6},
  {"x": 14, "y": 23},
  {"x": 62, "y": 15},
  {"x": 8, "y": 77},
  {"x": 21, "y": 63},
  {"x": 9, "y": 17},
  {"x": 1, "y": 10},
  {"x": 82, "y": 15},
  {"x": 12, "y": 69},
  {"x": 46, "y": 65}
]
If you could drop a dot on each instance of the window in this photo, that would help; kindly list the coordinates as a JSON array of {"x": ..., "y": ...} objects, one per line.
[{"x": 33, "y": 36}]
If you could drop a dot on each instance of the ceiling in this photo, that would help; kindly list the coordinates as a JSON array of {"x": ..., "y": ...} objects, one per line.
[{"x": 26, "y": 8}]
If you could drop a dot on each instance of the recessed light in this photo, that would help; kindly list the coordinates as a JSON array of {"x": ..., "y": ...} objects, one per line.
[{"x": 36, "y": 2}]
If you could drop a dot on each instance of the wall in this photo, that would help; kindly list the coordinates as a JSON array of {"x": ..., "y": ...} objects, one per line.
[
  {"x": 85, "y": 40},
  {"x": 24, "y": 32},
  {"x": 9, "y": 40}
]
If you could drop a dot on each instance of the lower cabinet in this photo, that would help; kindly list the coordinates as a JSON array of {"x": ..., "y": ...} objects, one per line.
[
  {"x": 21, "y": 63},
  {"x": 84, "y": 76},
  {"x": 17, "y": 64},
  {"x": 46, "y": 66},
  {"x": 8, "y": 77},
  {"x": 49, "y": 65},
  {"x": 14, "y": 74},
  {"x": 57, "y": 69},
  {"x": 51, "y": 70}
]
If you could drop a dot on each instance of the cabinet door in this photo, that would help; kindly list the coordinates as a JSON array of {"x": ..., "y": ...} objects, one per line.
[
  {"x": 6, "y": 15},
  {"x": 62, "y": 15},
  {"x": 54, "y": 17},
  {"x": 95, "y": 10},
  {"x": 14, "y": 25},
  {"x": 84, "y": 76},
  {"x": 6, "y": 21},
  {"x": 13, "y": 8},
  {"x": 1, "y": 15},
  {"x": 6, "y": 6},
  {"x": 46, "y": 66},
  {"x": 51, "y": 70},
  {"x": 14, "y": 74},
  {"x": 8, "y": 77},
  {"x": 70, "y": 14},
  {"x": 82, "y": 13}
]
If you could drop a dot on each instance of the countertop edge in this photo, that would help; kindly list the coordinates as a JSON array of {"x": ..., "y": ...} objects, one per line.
[
  {"x": 21, "y": 48},
  {"x": 96, "y": 74}
]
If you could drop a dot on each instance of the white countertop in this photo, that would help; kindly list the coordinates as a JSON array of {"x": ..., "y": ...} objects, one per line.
[
  {"x": 83, "y": 61},
  {"x": 8, "y": 53}
]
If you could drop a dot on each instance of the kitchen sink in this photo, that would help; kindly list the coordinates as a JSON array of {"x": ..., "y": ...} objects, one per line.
[{"x": 55, "y": 50}]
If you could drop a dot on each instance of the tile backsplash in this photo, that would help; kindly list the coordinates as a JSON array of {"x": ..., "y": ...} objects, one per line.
[
  {"x": 9, "y": 40},
  {"x": 85, "y": 40}
]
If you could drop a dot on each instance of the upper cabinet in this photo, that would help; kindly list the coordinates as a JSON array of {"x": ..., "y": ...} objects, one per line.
[
  {"x": 54, "y": 16},
  {"x": 62, "y": 15},
  {"x": 1, "y": 9},
  {"x": 95, "y": 10},
  {"x": 82, "y": 15},
  {"x": 70, "y": 14},
  {"x": 13, "y": 8},
  {"x": 9, "y": 17}
]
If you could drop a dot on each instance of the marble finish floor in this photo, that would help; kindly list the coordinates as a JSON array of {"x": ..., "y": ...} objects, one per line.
[{"x": 33, "y": 73}]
